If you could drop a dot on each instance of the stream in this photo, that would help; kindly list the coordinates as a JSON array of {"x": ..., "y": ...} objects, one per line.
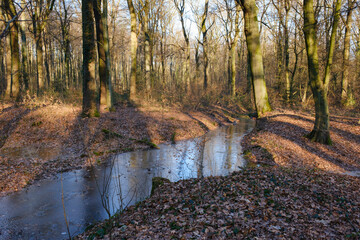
[{"x": 90, "y": 195}]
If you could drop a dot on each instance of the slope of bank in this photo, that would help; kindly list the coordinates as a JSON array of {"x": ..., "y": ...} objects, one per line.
[{"x": 38, "y": 141}]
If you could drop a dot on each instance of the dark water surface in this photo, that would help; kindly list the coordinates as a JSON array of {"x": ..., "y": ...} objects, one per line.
[{"x": 38, "y": 213}]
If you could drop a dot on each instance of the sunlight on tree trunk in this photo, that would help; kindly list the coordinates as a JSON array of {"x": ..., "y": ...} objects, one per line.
[
  {"x": 90, "y": 106},
  {"x": 320, "y": 133},
  {"x": 346, "y": 91},
  {"x": 133, "y": 50},
  {"x": 14, "y": 48},
  {"x": 256, "y": 61}
]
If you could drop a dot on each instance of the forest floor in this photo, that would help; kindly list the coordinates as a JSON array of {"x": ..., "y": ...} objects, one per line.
[
  {"x": 39, "y": 140},
  {"x": 292, "y": 189}
]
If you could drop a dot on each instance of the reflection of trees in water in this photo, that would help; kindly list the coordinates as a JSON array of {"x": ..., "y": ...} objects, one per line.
[
  {"x": 201, "y": 148},
  {"x": 130, "y": 178},
  {"x": 228, "y": 144}
]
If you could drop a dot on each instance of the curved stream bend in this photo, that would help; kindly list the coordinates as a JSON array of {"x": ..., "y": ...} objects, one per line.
[{"x": 37, "y": 213}]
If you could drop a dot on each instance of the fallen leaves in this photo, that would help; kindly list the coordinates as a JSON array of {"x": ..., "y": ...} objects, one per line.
[{"x": 263, "y": 203}]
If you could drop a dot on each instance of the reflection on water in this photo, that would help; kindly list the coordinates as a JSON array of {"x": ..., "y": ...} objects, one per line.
[{"x": 37, "y": 213}]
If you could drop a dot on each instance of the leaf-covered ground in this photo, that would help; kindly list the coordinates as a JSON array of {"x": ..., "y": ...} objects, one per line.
[
  {"x": 294, "y": 189},
  {"x": 279, "y": 139},
  {"x": 39, "y": 140},
  {"x": 261, "y": 203}
]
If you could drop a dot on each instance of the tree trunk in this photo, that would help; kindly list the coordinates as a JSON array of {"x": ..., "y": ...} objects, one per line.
[
  {"x": 133, "y": 51},
  {"x": 204, "y": 44},
  {"x": 147, "y": 52},
  {"x": 232, "y": 53},
  {"x": 346, "y": 93},
  {"x": 15, "y": 57},
  {"x": 109, "y": 91},
  {"x": 287, "y": 54},
  {"x": 331, "y": 44},
  {"x": 90, "y": 107},
  {"x": 8, "y": 68},
  {"x": 24, "y": 66},
  {"x": 320, "y": 133},
  {"x": 101, "y": 52},
  {"x": 279, "y": 58},
  {"x": 46, "y": 62},
  {"x": 256, "y": 61},
  {"x": 39, "y": 51},
  {"x": 358, "y": 59}
]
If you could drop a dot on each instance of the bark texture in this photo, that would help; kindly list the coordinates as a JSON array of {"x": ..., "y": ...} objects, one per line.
[
  {"x": 320, "y": 133},
  {"x": 255, "y": 56},
  {"x": 90, "y": 106}
]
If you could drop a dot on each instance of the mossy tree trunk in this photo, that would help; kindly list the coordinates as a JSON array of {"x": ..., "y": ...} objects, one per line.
[
  {"x": 255, "y": 56},
  {"x": 331, "y": 49},
  {"x": 90, "y": 106},
  {"x": 346, "y": 91},
  {"x": 109, "y": 90},
  {"x": 102, "y": 46},
  {"x": 287, "y": 52},
  {"x": 319, "y": 88}
]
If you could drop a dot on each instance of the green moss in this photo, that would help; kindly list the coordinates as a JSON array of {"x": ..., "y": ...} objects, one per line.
[
  {"x": 247, "y": 154},
  {"x": 157, "y": 182},
  {"x": 147, "y": 142},
  {"x": 36, "y": 124},
  {"x": 110, "y": 134},
  {"x": 174, "y": 226},
  {"x": 96, "y": 113},
  {"x": 173, "y": 137},
  {"x": 98, "y": 153}
]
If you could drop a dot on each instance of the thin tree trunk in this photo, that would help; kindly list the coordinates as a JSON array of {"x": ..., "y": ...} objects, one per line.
[
  {"x": 204, "y": 31},
  {"x": 46, "y": 62},
  {"x": 109, "y": 92},
  {"x": 24, "y": 66},
  {"x": 39, "y": 50},
  {"x": 133, "y": 51},
  {"x": 287, "y": 54},
  {"x": 232, "y": 55},
  {"x": 332, "y": 44},
  {"x": 8, "y": 68},
  {"x": 147, "y": 50}
]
